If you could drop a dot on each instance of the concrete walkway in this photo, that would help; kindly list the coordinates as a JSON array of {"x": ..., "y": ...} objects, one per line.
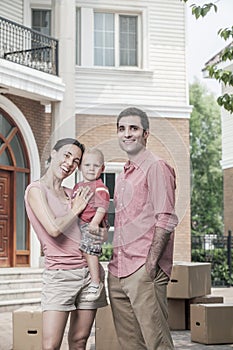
[{"x": 181, "y": 338}]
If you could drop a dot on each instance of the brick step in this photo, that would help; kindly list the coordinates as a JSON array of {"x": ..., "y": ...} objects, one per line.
[
  {"x": 14, "y": 304},
  {"x": 24, "y": 294},
  {"x": 20, "y": 283},
  {"x": 20, "y": 273}
]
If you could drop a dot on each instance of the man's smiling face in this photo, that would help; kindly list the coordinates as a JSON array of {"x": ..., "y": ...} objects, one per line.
[{"x": 132, "y": 137}]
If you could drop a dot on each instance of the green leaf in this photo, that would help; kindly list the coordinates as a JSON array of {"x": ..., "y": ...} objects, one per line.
[{"x": 199, "y": 11}]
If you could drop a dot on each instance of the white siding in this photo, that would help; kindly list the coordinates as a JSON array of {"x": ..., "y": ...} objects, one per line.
[
  {"x": 12, "y": 10},
  {"x": 162, "y": 79},
  {"x": 227, "y": 135}
]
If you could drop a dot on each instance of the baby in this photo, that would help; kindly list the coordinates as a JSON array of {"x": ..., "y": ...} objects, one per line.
[{"x": 93, "y": 216}]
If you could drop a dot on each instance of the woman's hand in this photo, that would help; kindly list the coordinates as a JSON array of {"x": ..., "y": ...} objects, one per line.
[
  {"x": 81, "y": 199},
  {"x": 99, "y": 236}
]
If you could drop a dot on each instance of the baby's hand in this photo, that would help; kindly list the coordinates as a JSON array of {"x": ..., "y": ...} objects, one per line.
[{"x": 93, "y": 227}]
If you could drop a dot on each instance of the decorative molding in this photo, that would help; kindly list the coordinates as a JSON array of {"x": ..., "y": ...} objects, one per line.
[
  {"x": 30, "y": 83},
  {"x": 34, "y": 159},
  {"x": 175, "y": 112}
]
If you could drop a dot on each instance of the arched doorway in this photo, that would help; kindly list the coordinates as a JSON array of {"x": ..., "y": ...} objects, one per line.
[{"x": 14, "y": 177}]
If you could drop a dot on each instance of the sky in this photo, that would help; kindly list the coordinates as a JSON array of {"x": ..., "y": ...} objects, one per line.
[{"x": 203, "y": 41}]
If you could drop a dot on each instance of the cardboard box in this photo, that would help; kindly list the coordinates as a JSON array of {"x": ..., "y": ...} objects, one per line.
[
  {"x": 105, "y": 334},
  {"x": 176, "y": 314},
  {"x": 205, "y": 299},
  {"x": 27, "y": 328},
  {"x": 189, "y": 280},
  {"x": 212, "y": 323}
]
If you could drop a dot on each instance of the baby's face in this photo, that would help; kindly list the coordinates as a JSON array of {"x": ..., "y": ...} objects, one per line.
[{"x": 91, "y": 167}]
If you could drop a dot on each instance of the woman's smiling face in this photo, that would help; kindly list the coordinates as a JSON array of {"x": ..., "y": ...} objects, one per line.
[{"x": 66, "y": 160}]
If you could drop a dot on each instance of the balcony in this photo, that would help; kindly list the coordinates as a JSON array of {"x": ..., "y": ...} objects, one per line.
[{"x": 28, "y": 47}]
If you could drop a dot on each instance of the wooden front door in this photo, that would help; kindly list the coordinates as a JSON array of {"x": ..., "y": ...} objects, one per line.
[{"x": 6, "y": 239}]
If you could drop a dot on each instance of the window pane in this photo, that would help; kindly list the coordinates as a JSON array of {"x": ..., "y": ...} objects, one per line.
[
  {"x": 99, "y": 21},
  {"x": 128, "y": 41},
  {"x": 99, "y": 40},
  {"x": 98, "y": 57},
  {"x": 132, "y": 41},
  {"x": 109, "y": 181},
  {"x": 5, "y": 158},
  {"x": 104, "y": 39},
  {"x": 111, "y": 213},
  {"x": 132, "y": 58},
  {"x": 21, "y": 229},
  {"x": 109, "y": 57},
  {"x": 109, "y": 39},
  {"x": 5, "y": 126},
  {"x": 18, "y": 152},
  {"x": 109, "y": 22},
  {"x": 41, "y": 21},
  {"x": 123, "y": 41},
  {"x": 124, "y": 58}
]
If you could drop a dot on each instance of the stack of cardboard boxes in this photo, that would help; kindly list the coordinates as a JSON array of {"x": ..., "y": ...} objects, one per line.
[
  {"x": 188, "y": 282},
  {"x": 191, "y": 305}
]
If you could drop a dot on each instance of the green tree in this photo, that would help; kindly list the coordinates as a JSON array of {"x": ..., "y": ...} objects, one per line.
[
  {"x": 222, "y": 75},
  {"x": 205, "y": 153}
]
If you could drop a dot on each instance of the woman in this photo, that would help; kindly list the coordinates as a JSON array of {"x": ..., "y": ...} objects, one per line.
[{"x": 53, "y": 214}]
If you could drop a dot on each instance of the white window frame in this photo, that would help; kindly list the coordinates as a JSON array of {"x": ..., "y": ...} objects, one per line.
[
  {"x": 35, "y": 5},
  {"x": 117, "y": 38},
  {"x": 87, "y": 36}
]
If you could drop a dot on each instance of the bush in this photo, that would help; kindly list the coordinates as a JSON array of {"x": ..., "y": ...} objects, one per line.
[
  {"x": 219, "y": 266},
  {"x": 107, "y": 251}
]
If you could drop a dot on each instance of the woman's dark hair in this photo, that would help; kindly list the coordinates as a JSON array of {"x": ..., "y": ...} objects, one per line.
[
  {"x": 133, "y": 111},
  {"x": 68, "y": 141}
]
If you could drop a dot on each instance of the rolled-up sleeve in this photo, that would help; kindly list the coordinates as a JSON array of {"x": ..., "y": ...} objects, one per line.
[{"x": 162, "y": 185}]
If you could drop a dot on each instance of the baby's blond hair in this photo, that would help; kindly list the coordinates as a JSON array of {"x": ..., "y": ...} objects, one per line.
[{"x": 96, "y": 151}]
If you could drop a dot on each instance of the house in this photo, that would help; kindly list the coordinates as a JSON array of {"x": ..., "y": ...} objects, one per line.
[
  {"x": 67, "y": 68},
  {"x": 227, "y": 146}
]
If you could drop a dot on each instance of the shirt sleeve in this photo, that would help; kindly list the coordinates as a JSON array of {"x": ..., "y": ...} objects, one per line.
[
  {"x": 102, "y": 198},
  {"x": 162, "y": 185}
]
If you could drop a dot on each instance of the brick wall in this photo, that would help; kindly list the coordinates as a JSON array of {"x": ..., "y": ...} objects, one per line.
[
  {"x": 169, "y": 138},
  {"x": 228, "y": 199},
  {"x": 40, "y": 123}
]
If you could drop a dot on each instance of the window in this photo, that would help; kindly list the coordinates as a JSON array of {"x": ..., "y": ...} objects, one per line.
[
  {"x": 128, "y": 41},
  {"x": 109, "y": 180},
  {"x": 115, "y": 39},
  {"x": 13, "y": 159},
  {"x": 41, "y": 21},
  {"x": 104, "y": 39}
]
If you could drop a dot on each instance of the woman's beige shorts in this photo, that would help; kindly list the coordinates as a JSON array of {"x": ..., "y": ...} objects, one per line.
[{"x": 64, "y": 290}]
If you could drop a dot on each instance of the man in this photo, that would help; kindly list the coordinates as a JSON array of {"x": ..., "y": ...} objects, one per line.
[{"x": 143, "y": 240}]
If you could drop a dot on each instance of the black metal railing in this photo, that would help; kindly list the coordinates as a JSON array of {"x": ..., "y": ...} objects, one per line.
[
  {"x": 28, "y": 47},
  {"x": 217, "y": 250}
]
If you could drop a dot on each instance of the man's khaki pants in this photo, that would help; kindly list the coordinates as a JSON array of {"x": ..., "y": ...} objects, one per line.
[{"x": 139, "y": 307}]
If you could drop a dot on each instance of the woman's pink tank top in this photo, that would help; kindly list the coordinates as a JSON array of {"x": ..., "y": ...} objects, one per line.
[{"x": 63, "y": 251}]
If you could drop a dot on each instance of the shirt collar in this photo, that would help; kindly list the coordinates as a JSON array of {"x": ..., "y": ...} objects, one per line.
[{"x": 137, "y": 162}]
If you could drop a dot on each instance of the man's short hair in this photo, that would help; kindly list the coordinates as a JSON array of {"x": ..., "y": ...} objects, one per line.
[{"x": 133, "y": 111}]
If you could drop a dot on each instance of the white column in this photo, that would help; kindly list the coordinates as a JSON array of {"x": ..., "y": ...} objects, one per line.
[{"x": 63, "y": 29}]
